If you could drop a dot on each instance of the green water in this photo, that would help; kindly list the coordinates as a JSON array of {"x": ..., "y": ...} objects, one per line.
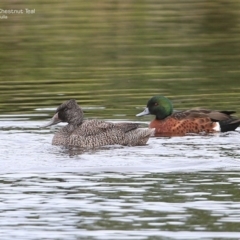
[
  {"x": 117, "y": 54},
  {"x": 112, "y": 56}
]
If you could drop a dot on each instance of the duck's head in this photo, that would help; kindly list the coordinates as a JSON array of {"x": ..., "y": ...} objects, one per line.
[
  {"x": 159, "y": 106},
  {"x": 69, "y": 112}
]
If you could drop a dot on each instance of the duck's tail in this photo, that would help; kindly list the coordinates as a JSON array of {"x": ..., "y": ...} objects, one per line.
[
  {"x": 229, "y": 125},
  {"x": 139, "y": 136}
]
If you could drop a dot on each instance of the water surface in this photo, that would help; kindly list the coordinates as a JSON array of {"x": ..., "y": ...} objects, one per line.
[
  {"x": 112, "y": 56},
  {"x": 172, "y": 188}
]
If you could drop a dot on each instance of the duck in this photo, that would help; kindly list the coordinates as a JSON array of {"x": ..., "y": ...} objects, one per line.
[
  {"x": 193, "y": 121},
  {"x": 94, "y": 133}
]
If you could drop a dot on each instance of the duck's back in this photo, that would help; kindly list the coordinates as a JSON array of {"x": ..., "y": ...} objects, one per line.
[
  {"x": 196, "y": 121},
  {"x": 96, "y": 133}
]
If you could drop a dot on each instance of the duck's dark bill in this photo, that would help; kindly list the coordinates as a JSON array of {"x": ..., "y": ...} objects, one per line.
[
  {"x": 145, "y": 112},
  {"x": 54, "y": 120}
]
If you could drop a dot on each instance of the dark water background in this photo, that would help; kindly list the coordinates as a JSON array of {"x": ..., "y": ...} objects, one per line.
[
  {"x": 117, "y": 54},
  {"x": 112, "y": 56}
]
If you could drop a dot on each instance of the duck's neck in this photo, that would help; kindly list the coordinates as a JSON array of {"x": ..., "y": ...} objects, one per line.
[
  {"x": 163, "y": 111},
  {"x": 62, "y": 136},
  {"x": 68, "y": 129},
  {"x": 160, "y": 115}
]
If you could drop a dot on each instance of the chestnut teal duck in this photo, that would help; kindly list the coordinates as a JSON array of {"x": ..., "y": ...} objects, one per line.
[
  {"x": 196, "y": 120},
  {"x": 94, "y": 133}
]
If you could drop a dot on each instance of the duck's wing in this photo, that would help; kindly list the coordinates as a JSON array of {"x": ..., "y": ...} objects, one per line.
[
  {"x": 214, "y": 115},
  {"x": 96, "y": 133},
  {"x": 126, "y": 127},
  {"x": 92, "y": 128},
  {"x": 207, "y": 111},
  {"x": 188, "y": 114}
]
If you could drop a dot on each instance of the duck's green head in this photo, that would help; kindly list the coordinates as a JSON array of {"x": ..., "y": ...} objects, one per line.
[{"x": 159, "y": 106}]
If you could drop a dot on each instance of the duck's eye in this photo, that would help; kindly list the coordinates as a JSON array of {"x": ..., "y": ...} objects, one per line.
[{"x": 155, "y": 104}]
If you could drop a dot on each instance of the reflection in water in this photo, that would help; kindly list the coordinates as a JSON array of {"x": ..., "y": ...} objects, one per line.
[{"x": 130, "y": 206}]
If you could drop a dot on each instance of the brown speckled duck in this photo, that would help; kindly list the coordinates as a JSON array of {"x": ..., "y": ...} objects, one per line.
[
  {"x": 196, "y": 120},
  {"x": 94, "y": 133}
]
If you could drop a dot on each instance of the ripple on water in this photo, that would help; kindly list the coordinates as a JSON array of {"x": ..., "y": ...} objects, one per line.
[
  {"x": 31, "y": 151},
  {"x": 181, "y": 188},
  {"x": 119, "y": 205}
]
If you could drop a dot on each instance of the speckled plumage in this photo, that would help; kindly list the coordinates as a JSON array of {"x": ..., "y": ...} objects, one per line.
[
  {"x": 174, "y": 125},
  {"x": 194, "y": 120},
  {"x": 94, "y": 133}
]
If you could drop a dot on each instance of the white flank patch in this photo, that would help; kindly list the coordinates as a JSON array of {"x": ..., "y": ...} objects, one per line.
[
  {"x": 153, "y": 132},
  {"x": 217, "y": 127}
]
